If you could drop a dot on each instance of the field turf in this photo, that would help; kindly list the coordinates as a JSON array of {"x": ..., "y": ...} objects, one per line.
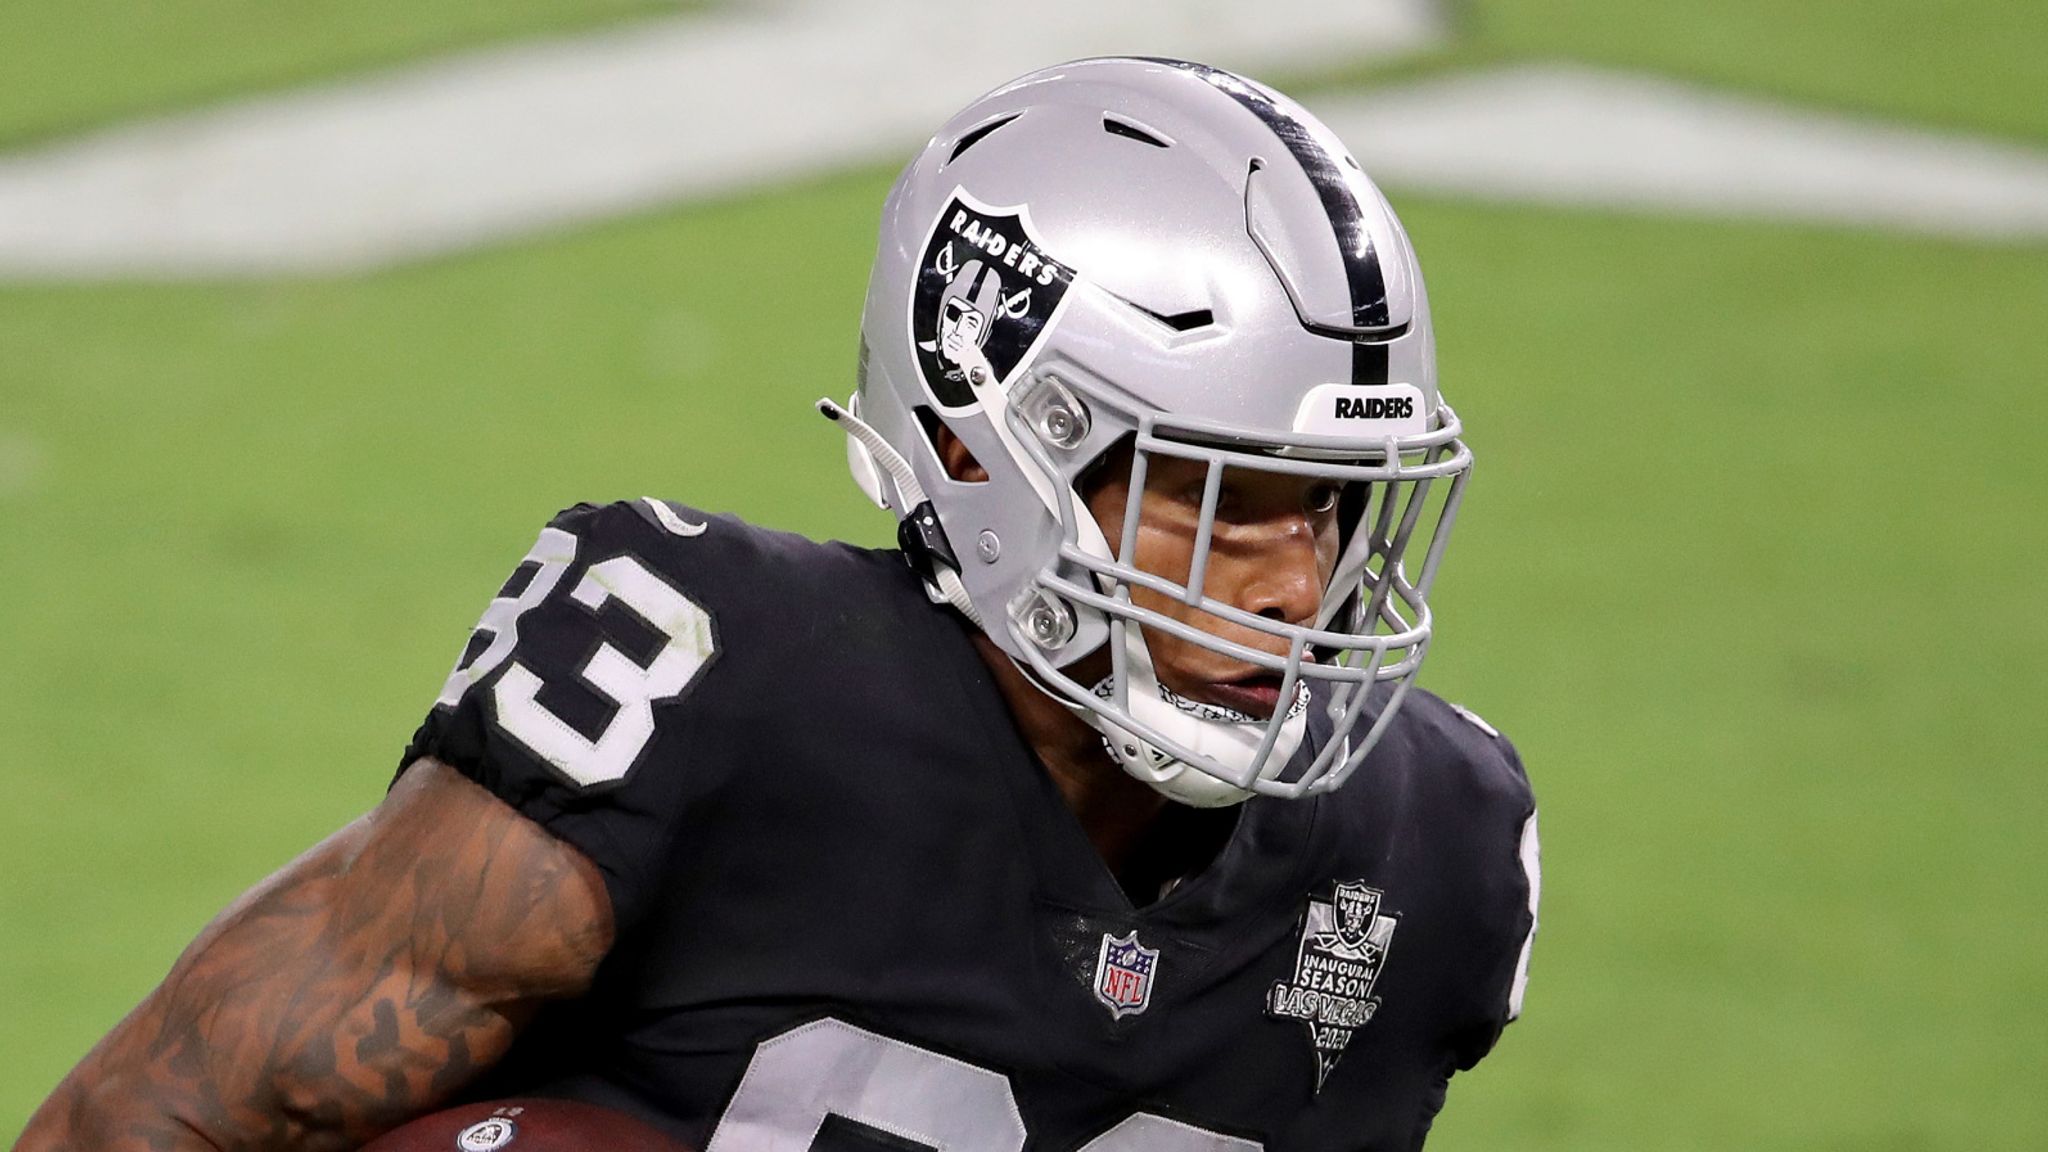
[
  {"x": 1973, "y": 64},
  {"x": 71, "y": 64},
  {"x": 1749, "y": 569}
]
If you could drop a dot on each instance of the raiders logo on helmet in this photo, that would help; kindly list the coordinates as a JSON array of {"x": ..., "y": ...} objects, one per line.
[{"x": 987, "y": 290}]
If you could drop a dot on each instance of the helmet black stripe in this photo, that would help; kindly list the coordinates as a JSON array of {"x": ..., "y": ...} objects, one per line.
[{"x": 1325, "y": 172}]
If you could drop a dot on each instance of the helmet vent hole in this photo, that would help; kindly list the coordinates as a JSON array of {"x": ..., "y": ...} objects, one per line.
[
  {"x": 1119, "y": 127},
  {"x": 1189, "y": 321},
  {"x": 1186, "y": 321},
  {"x": 978, "y": 135}
]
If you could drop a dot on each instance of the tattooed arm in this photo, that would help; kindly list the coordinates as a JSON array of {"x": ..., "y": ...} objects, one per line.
[{"x": 358, "y": 987}]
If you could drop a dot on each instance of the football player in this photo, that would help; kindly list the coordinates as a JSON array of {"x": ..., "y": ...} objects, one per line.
[{"x": 1102, "y": 814}]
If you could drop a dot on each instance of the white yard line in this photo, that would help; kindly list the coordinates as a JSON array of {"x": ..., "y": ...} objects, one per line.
[
  {"x": 493, "y": 144},
  {"x": 489, "y": 145},
  {"x": 1578, "y": 137}
]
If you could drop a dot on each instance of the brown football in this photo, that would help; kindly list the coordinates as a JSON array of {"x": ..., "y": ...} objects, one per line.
[{"x": 530, "y": 1124}]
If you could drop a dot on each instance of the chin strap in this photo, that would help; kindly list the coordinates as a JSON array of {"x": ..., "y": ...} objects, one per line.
[
  {"x": 924, "y": 542},
  {"x": 1222, "y": 735}
]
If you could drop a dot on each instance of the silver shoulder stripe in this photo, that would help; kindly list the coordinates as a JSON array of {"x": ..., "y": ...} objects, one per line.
[
  {"x": 1532, "y": 867},
  {"x": 669, "y": 520}
]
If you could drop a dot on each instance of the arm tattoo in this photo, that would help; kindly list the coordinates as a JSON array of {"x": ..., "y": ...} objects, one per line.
[{"x": 360, "y": 986}]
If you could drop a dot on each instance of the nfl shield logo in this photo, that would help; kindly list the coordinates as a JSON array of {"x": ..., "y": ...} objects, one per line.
[{"x": 1123, "y": 974}]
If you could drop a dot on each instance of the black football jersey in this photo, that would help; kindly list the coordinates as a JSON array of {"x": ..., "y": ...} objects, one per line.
[{"x": 855, "y": 913}]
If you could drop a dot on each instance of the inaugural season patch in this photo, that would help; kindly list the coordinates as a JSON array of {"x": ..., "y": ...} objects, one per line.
[
  {"x": 1344, "y": 943},
  {"x": 987, "y": 293}
]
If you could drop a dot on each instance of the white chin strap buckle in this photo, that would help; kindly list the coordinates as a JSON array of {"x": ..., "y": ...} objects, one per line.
[{"x": 1226, "y": 737}]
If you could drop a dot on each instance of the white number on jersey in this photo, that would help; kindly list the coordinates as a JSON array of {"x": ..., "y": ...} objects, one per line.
[
  {"x": 553, "y": 552},
  {"x": 798, "y": 1081},
  {"x": 632, "y": 686}
]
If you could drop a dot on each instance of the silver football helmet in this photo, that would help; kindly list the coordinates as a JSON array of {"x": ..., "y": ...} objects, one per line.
[{"x": 1168, "y": 255}]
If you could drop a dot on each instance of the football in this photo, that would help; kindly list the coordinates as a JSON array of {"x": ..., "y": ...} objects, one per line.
[{"x": 531, "y": 1124}]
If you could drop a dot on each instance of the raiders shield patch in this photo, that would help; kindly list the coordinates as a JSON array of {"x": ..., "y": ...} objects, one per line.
[
  {"x": 1344, "y": 943},
  {"x": 987, "y": 293}
]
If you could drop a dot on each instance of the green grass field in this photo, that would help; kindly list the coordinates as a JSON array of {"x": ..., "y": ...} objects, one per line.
[
  {"x": 71, "y": 64},
  {"x": 1748, "y": 569}
]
